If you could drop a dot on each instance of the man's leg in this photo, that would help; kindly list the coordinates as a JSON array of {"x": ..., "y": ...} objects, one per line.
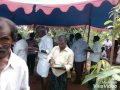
[
  {"x": 77, "y": 71},
  {"x": 81, "y": 70},
  {"x": 33, "y": 56},
  {"x": 92, "y": 82},
  {"x": 28, "y": 63},
  {"x": 44, "y": 83}
]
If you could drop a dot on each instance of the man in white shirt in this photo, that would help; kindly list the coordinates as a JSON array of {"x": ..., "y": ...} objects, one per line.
[
  {"x": 79, "y": 49},
  {"x": 45, "y": 46},
  {"x": 61, "y": 60},
  {"x": 20, "y": 48},
  {"x": 13, "y": 70},
  {"x": 107, "y": 43}
]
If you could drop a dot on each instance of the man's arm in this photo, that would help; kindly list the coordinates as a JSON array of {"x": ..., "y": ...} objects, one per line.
[
  {"x": 49, "y": 46},
  {"x": 70, "y": 62}
]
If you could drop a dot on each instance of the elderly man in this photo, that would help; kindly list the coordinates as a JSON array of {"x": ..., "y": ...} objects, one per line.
[
  {"x": 61, "y": 61},
  {"x": 13, "y": 70},
  {"x": 45, "y": 47}
]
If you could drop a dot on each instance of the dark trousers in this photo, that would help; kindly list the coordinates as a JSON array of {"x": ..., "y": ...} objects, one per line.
[
  {"x": 31, "y": 63},
  {"x": 93, "y": 81},
  {"x": 79, "y": 71}
]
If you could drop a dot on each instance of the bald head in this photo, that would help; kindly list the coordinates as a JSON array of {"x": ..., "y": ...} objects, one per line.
[{"x": 62, "y": 42}]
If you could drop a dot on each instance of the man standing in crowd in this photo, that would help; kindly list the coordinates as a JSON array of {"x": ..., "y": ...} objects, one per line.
[
  {"x": 95, "y": 55},
  {"x": 107, "y": 43},
  {"x": 20, "y": 48},
  {"x": 79, "y": 49},
  {"x": 13, "y": 70},
  {"x": 45, "y": 47},
  {"x": 32, "y": 48},
  {"x": 61, "y": 61}
]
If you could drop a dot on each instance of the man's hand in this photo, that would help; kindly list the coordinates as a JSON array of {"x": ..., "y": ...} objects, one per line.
[
  {"x": 52, "y": 62},
  {"x": 89, "y": 50},
  {"x": 43, "y": 51}
]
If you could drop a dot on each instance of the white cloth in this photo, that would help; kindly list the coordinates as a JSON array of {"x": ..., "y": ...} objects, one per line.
[
  {"x": 108, "y": 43},
  {"x": 21, "y": 49},
  {"x": 15, "y": 75},
  {"x": 79, "y": 48},
  {"x": 95, "y": 57},
  {"x": 104, "y": 54},
  {"x": 118, "y": 57},
  {"x": 43, "y": 66}
]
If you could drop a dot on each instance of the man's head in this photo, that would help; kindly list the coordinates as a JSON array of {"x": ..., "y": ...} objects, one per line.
[
  {"x": 19, "y": 36},
  {"x": 32, "y": 35},
  {"x": 8, "y": 32},
  {"x": 96, "y": 38},
  {"x": 71, "y": 37},
  {"x": 62, "y": 42},
  {"x": 107, "y": 39},
  {"x": 78, "y": 36},
  {"x": 41, "y": 31}
]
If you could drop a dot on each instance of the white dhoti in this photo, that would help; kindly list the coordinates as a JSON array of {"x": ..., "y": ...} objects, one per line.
[{"x": 43, "y": 67}]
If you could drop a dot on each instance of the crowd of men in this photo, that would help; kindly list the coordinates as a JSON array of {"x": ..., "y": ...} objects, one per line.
[{"x": 18, "y": 62}]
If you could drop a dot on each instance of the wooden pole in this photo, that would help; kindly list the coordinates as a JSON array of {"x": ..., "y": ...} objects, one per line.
[
  {"x": 113, "y": 39},
  {"x": 88, "y": 39},
  {"x": 112, "y": 50}
]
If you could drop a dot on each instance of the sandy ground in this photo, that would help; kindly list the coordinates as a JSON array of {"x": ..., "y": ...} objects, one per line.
[{"x": 35, "y": 84}]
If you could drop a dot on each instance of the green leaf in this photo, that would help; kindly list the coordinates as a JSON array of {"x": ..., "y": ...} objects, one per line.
[
  {"x": 118, "y": 19},
  {"x": 108, "y": 22},
  {"x": 89, "y": 77},
  {"x": 99, "y": 66},
  {"x": 104, "y": 74},
  {"x": 93, "y": 66},
  {"x": 116, "y": 77}
]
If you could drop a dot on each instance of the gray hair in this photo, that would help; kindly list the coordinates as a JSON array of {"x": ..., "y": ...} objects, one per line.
[
  {"x": 41, "y": 29},
  {"x": 62, "y": 36},
  {"x": 11, "y": 25}
]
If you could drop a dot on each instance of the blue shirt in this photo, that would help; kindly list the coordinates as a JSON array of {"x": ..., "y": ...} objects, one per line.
[{"x": 79, "y": 49}]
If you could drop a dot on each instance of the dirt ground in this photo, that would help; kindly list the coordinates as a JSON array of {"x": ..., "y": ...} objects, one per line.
[{"x": 35, "y": 84}]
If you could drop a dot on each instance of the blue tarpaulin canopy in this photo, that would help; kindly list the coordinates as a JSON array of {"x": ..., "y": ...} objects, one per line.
[{"x": 93, "y": 13}]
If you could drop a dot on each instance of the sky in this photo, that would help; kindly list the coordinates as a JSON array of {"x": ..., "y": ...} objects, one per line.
[{"x": 51, "y": 1}]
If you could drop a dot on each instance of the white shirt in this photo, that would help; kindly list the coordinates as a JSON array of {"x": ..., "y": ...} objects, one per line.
[
  {"x": 79, "y": 48},
  {"x": 104, "y": 54},
  {"x": 43, "y": 65},
  {"x": 15, "y": 75},
  {"x": 95, "y": 57},
  {"x": 64, "y": 57},
  {"x": 21, "y": 49},
  {"x": 46, "y": 44},
  {"x": 107, "y": 43}
]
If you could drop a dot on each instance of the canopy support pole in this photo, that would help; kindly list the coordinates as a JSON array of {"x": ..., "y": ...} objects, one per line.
[
  {"x": 88, "y": 39},
  {"x": 113, "y": 39}
]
